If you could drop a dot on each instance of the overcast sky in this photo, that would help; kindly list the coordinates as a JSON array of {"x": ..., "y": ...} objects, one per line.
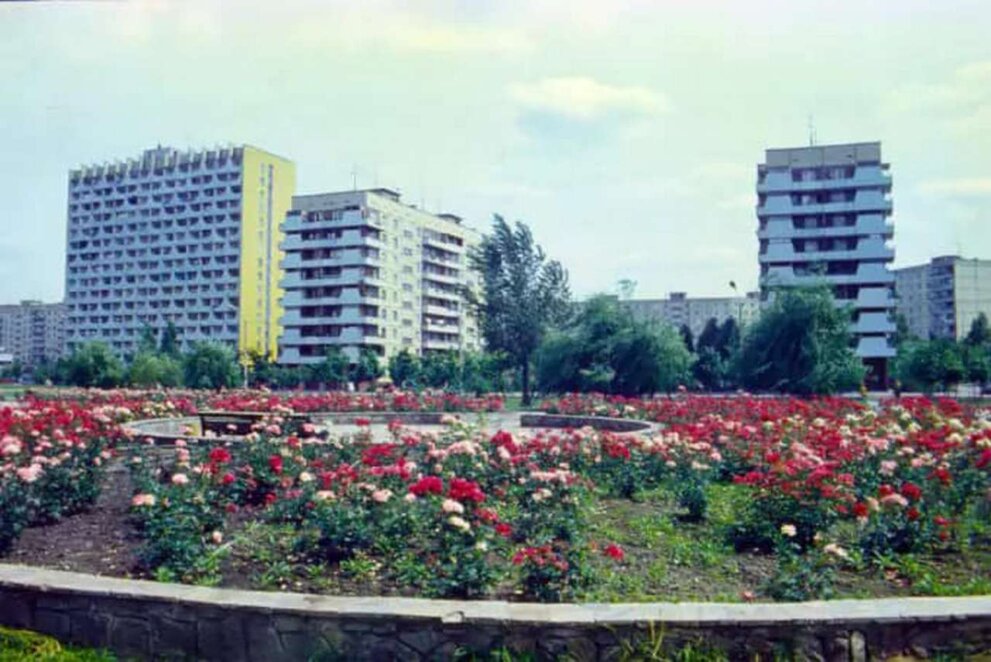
[{"x": 625, "y": 133}]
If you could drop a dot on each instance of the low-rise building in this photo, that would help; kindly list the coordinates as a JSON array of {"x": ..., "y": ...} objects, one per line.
[
  {"x": 681, "y": 310},
  {"x": 941, "y": 299}
]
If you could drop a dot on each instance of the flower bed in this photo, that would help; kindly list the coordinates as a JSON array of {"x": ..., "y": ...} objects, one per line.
[
  {"x": 827, "y": 491},
  {"x": 735, "y": 498},
  {"x": 52, "y": 457},
  {"x": 188, "y": 401}
]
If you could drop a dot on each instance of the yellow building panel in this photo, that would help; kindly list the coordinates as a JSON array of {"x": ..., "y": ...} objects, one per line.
[{"x": 267, "y": 186}]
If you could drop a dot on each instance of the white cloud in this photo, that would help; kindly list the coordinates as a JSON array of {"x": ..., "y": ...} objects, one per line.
[
  {"x": 961, "y": 186},
  {"x": 582, "y": 98}
]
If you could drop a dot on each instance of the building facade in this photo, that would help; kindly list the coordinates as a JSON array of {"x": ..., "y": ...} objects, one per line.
[
  {"x": 824, "y": 217},
  {"x": 694, "y": 312},
  {"x": 32, "y": 332},
  {"x": 188, "y": 237},
  {"x": 362, "y": 269},
  {"x": 942, "y": 299}
]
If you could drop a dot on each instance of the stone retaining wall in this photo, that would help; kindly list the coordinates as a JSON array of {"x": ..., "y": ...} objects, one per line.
[{"x": 152, "y": 620}]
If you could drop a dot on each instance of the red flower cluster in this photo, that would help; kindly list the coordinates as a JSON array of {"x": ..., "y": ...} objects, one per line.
[
  {"x": 427, "y": 485},
  {"x": 465, "y": 490}
]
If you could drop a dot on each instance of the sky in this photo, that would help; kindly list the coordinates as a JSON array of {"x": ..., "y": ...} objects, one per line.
[{"x": 625, "y": 133}]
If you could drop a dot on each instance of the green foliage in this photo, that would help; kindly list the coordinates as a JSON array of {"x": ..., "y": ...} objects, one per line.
[
  {"x": 170, "y": 340},
  {"x": 147, "y": 343},
  {"x": 150, "y": 369},
  {"x": 404, "y": 369},
  {"x": 367, "y": 368},
  {"x": 605, "y": 349},
  {"x": 439, "y": 370},
  {"x": 801, "y": 344},
  {"x": 20, "y": 645},
  {"x": 979, "y": 333},
  {"x": 91, "y": 364},
  {"x": 523, "y": 294},
  {"x": 928, "y": 365},
  {"x": 716, "y": 349},
  {"x": 210, "y": 365},
  {"x": 332, "y": 371}
]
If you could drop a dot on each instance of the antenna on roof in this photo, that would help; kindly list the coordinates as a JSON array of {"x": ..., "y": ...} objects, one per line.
[
  {"x": 812, "y": 131},
  {"x": 354, "y": 177}
]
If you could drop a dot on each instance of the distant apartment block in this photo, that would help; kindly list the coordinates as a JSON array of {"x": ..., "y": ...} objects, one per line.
[
  {"x": 188, "y": 237},
  {"x": 824, "y": 217},
  {"x": 32, "y": 332},
  {"x": 681, "y": 310},
  {"x": 362, "y": 269},
  {"x": 941, "y": 299}
]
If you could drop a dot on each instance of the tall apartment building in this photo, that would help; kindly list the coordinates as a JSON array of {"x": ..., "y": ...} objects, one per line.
[
  {"x": 823, "y": 216},
  {"x": 365, "y": 270},
  {"x": 681, "y": 310},
  {"x": 188, "y": 237},
  {"x": 942, "y": 299},
  {"x": 32, "y": 332}
]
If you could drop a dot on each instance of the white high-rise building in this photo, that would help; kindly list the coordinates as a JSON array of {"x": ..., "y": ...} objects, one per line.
[
  {"x": 187, "y": 237},
  {"x": 824, "y": 217},
  {"x": 362, "y": 269}
]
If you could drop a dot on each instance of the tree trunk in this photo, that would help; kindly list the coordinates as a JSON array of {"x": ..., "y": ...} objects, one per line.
[{"x": 525, "y": 372}]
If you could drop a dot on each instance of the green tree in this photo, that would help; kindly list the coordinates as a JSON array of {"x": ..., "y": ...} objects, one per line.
[
  {"x": 367, "y": 367},
  {"x": 481, "y": 372},
  {"x": 91, "y": 364},
  {"x": 715, "y": 350},
  {"x": 902, "y": 331},
  {"x": 523, "y": 294},
  {"x": 210, "y": 365},
  {"x": 170, "y": 341},
  {"x": 147, "y": 344},
  {"x": 686, "y": 337},
  {"x": 977, "y": 363},
  {"x": 930, "y": 365},
  {"x": 649, "y": 359},
  {"x": 440, "y": 370},
  {"x": 979, "y": 333},
  {"x": 801, "y": 344},
  {"x": 605, "y": 349},
  {"x": 151, "y": 369},
  {"x": 332, "y": 371},
  {"x": 404, "y": 369},
  {"x": 558, "y": 364}
]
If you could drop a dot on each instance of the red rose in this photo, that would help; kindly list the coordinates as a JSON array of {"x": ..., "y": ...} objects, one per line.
[
  {"x": 220, "y": 455},
  {"x": 911, "y": 491},
  {"x": 614, "y": 551},
  {"x": 227, "y": 479},
  {"x": 427, "y": 485},
  {"x": 275, "y": 464},
  {"x": 503, "y": 529},
  {"x": 912, "y": 514}
]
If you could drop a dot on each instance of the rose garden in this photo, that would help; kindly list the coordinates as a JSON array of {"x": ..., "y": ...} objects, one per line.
[{"x": 722, "y": 499}]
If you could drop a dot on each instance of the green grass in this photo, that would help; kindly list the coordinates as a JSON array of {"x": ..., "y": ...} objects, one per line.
[
  {"x": 21, "y": 645},
  {"x": 11, "y": 391}
]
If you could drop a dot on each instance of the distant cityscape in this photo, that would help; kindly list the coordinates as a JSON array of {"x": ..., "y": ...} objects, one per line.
[{"x": 218, "y": 243}]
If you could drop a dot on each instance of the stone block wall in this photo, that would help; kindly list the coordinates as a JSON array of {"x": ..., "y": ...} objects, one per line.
[{"x": 167, "y": 621}]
